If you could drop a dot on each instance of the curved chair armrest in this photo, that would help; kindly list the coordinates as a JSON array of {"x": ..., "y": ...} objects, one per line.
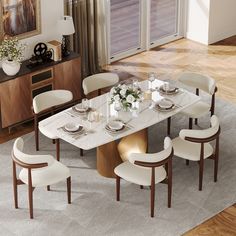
[
  {"x": 33, "y": 159},
  {"x": 151, "y": 160},
  {"x": 199, "y": 136},
  {"x": 205, "y": 135},
  {"x": 203, "y": 140},
  {"x": 29, "y": 165},
  {"x": 153, "y": 163},
  {"x": 53, "y": 108}
]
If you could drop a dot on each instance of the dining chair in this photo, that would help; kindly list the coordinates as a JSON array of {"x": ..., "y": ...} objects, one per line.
[
  {"x": 201, "y": 108},
  {"x": 194, "y": 145},
  {"x": 45, "y": 103},
  {"x": 99, "y": 81},
  {"x": 37, "y": 171},
  {"x": 147, "y": 170}
]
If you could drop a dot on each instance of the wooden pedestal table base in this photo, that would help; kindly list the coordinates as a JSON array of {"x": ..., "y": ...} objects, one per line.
[
  {"x": 133, "y": 143},
  {"x": 107, "y": 159}
]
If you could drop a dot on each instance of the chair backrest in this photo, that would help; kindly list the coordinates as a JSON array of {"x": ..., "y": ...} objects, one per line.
[
  {"x": 154, "y": 159},
  {"x": 26, "y": 158},
  {"x": 205, "y": 135},
  {"x": 99, "y": 81},
  {"x": 50, "y": 99},
  {"x": 202, "y": 82}
]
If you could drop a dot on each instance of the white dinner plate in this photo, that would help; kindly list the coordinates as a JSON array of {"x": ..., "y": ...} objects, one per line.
[
  {"x": 171, "y": 89},
  {"x": 165, "y": 104},
  {"x": 72, "y": 127},
  {"x": 115, "y": 125},
  {"x": 79, "y": 108}
]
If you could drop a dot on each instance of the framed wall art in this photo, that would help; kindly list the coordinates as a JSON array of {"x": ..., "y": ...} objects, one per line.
[{"x": 20, "y": 18}]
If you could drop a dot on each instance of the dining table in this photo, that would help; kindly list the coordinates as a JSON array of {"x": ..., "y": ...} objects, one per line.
[{"x": 95, "y": 134}]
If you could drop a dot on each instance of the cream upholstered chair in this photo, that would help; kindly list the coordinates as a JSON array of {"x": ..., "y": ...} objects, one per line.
[
  {"x": 37, "y": 171},
  {"x": 204, "y": 83},
  {"x": 194, "y": 145},
  {"x": 147, "y": 170},
  {"x": 47, "y": 102},
  {"x": 98, "y": 81}
]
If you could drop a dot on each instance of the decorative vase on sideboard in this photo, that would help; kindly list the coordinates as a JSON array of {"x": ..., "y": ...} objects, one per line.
[{"x": 10, "y": 67}]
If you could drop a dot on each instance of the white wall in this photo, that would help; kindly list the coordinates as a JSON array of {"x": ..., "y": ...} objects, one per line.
[
  {"x": 51, "y": 12},
  {"x": 209, "y": 21},
  {"x": 222, "y": 20},
  {"x": 197, "y": 27}
]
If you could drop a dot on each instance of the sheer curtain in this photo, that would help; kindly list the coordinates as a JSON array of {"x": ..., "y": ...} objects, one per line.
[{"x": 90, "y": 37}]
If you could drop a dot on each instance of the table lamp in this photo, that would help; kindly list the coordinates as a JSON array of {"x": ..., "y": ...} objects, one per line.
[{"x": 66, "y": 27}]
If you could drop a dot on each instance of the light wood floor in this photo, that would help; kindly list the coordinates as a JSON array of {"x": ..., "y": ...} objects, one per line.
[
  {"x": 218, "y": 61},
  {"x": 223, "y": 224}
]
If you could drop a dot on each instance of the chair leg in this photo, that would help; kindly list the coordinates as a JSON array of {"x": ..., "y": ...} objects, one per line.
[
  {"x": 53, "y": 141},
  {"x": 15, "y": 185},
  {"x": 169, "y": 183},
  {"x": 187, "y": 162},
  {"x": 141, "y": 186},
  {"x": 36, "y": 132},
  {"x": 196, "y": 121},
  {"x": 48, "y": 188},
  {"x": 152, "y": 199},
  {"x": 30, "y": 192},
  {"x": 117, "y": 188},
  {"x": 201, "y": 166},
  {"x": 215, "y": 169},
  {"x": 190, "y": 123},
  {"x": 168, "y": 126},
  {"x": 81, "y": 152},
  {"x": 216, "y": 160},
  {"x": 58, "y": 149},
  {"x": 68, "y": 182}
]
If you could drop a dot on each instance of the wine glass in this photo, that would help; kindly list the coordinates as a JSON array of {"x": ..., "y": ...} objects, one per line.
[
  {"x": 166, "y": 87},
  {"x": 85, "y": 103},
  {"x": 151, "y": 78},
  {"x": 135, "y": 84},
  {"x": 117, "y": 107}
]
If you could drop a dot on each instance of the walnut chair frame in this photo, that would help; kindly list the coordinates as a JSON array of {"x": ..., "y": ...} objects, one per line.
[
  {"x": 168, "y": 166},
  {"x": 212, "y": 112},
  {"x": 50, "y": 111},
  {"x": 214, "y": 156},
  {"x": 30, "y": 167}
]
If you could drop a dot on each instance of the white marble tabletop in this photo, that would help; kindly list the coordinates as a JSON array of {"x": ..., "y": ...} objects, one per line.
[{"x": 95, "y": 134}]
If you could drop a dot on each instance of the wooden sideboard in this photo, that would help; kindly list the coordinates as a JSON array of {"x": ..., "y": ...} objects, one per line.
[{"x": 17, "y": 92}]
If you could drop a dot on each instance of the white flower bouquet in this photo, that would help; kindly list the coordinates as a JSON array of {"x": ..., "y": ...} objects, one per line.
[
  {"x": 11, "y": 49},
  {"x": 125, "y": 95}
]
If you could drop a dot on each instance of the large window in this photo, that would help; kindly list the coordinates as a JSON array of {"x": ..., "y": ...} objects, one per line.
[
  {"x": 125, "y": 26},
  {"x": 163, "y": 19},
  {"x": 136, "y": 25}
]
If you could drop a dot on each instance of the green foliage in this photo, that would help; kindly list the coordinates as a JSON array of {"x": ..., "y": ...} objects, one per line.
[{"x": 11, "y": 49}]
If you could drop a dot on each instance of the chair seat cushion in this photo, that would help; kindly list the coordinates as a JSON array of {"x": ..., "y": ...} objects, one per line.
[
  {"x": 197, "y": 110},
  {"x": 189, "y": 150},
  {"x": 46, "y": 175},
  {"x": 46, "y": 133},
  {"x": 139, "y": 175}
]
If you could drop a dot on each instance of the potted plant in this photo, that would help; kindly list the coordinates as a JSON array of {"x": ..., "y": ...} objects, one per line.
[{"x": 11, "y": 54}]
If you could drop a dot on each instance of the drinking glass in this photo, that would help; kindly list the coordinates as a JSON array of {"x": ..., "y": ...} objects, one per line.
[
  {"x": 166, "y": 87},
  {"x": 151, "y": 78},
  {"x": 85, "y": 103},
  {"x": 135, "y": 84},
  {"x": 117, "y": 107}
]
